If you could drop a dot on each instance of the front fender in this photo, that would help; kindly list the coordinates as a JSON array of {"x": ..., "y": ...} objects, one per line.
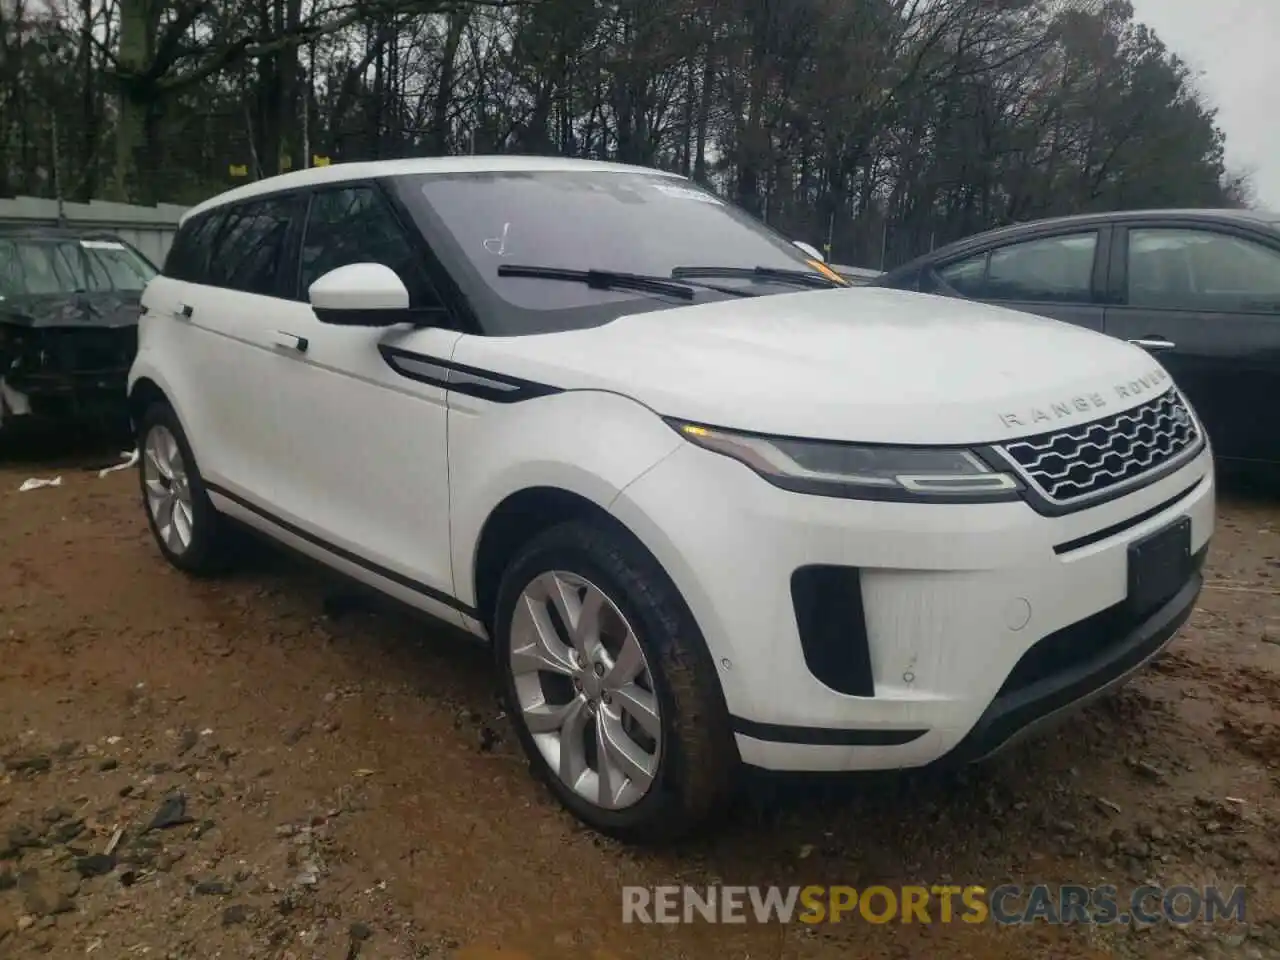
[{"x": 588, "y": 443}]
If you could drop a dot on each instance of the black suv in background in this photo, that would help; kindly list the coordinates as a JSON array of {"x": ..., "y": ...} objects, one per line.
[
  {"x": 68, "y": 325},
  {"x": 1198, "y": 288}
]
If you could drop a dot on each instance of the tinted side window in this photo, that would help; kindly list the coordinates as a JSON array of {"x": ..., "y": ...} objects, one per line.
[
  {"x": 189, "y": 255},
  {"x": 1051, "y": 269},
  {"x": 249, "y": 249},
  {"x": 356, "y": 225},
  {"x": 1202, "y": 270},
  {"x": 1055, "y": 269},
  {"x": 966, "y": 276}
]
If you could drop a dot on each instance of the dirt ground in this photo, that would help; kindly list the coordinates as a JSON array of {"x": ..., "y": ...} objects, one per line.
[{"x": 349, "y": 788}]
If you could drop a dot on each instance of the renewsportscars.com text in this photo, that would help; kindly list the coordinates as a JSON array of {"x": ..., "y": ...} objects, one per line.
[{"x": 1007, "y": 904}]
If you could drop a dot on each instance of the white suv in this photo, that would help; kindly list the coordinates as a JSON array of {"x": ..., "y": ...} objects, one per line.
[{"x": 711, "y": 507}]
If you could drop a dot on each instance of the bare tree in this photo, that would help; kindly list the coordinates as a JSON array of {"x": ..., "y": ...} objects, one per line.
[{"x": 880, "y": 127}]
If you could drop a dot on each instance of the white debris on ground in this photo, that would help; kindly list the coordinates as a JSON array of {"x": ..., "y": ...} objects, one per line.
[{"x": 129, "y": 459}]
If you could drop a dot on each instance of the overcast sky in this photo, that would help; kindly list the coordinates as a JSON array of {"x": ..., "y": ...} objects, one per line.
[{"x": 1232, "y": 44}]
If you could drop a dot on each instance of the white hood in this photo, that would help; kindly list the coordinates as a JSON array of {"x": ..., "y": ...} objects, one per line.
[{"x": 863, "y": 364}]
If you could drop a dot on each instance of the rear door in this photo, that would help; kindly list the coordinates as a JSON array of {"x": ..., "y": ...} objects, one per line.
[
  {"x": 1205, "y": 299},
  {"x": 215, "y": 321},
  {"x": 1059, "y": 274}
]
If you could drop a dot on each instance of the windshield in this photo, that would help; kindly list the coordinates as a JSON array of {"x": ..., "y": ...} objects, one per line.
[
  {"x": 630, "y": 222},
  {"x": 125, "y": 269},
  {"x": 38, "y": 266}
]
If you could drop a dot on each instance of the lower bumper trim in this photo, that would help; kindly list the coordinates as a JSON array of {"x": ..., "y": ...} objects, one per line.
[
  {"x": 823, "y": 736},
  {"x": 1012, "y": 714}
]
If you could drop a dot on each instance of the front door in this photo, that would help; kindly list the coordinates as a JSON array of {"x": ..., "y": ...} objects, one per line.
[
  {"x": 1206, "y": 302},
  {"x": 366, "y": 446}
]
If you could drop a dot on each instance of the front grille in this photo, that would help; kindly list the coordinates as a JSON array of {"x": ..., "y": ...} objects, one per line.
[
  {"x": 1093, "y": 458},
  {"x": 88, "y": 350}
]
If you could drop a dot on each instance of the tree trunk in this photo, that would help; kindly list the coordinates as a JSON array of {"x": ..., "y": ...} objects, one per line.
[
  {"x": 135, "y": 102},
  {"x": 88, "y": 153},
  {"x": 444, "y": 89}
]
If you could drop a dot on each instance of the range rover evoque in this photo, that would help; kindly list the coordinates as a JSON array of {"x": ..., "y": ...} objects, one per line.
[{"x": 711, "y": 506}]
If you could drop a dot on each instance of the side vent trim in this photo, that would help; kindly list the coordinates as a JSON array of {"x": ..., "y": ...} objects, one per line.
[{"x": 833, "y": 627}]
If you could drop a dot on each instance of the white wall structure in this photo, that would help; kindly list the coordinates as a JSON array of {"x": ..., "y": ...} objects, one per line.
[{"x": 150, "y": 229}]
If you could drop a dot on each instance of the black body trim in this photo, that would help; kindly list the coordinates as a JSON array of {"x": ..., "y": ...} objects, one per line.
[
  {"x": 832, "y": 625},
  {"x": 1098, "y": 535},
  {"x": 460, "y": 378},
  {"x": 1019, "y": 705},
  {"x": 823, "y": 736},
  {"x": 416, "y": 316},
  {"x": 431, "y": 593}
]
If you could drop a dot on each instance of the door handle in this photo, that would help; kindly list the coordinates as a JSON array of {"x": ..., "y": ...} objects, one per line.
[
  {"x": 290, "y": 341},
  {"x": 1154, "y": 343},
  {"x": 185, "y": 311}
]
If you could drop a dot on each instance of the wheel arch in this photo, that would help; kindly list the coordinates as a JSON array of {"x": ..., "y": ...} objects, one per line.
[
  {"x": 518, "y": 469},
  {"x": 144, "y": 392},
  {"x": 516, "y": 520}
]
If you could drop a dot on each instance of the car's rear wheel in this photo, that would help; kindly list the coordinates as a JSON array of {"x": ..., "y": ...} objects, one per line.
[
  {"x": 187, "y": 529},
  {"x": 611, "y": 689}
]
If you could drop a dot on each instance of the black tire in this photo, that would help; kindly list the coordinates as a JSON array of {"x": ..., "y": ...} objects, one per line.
[
  {"x": 699, "y": 763},
  {"x": 209, "y": 553}
]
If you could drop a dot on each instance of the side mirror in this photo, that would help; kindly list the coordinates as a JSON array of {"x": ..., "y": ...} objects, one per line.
[
  {"x": 360, "y": 295},
  {"x": 811, "y": 250}
]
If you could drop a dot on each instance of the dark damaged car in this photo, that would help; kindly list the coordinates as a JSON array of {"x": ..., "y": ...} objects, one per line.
[{"x": 68, "y": 325}]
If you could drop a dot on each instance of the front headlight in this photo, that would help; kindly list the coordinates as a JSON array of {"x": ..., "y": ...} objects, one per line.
[{"x": 860, "y": 471}]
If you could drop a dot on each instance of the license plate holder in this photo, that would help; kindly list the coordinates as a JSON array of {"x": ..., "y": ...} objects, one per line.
[{"x": 1159, "y": 564}]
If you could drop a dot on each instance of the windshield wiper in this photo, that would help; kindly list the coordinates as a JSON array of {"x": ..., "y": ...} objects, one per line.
[
  {"x": 601, "y": 279},
  {"x": 797, "y": 278}
]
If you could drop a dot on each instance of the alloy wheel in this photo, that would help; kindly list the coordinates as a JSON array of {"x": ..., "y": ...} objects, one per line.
[
  {"x": 168, "y": 489},
  {"x": 585, "y": 690}
]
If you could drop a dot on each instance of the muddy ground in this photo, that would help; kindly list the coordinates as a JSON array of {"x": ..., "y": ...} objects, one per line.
[{"x": 349, "y": 788}]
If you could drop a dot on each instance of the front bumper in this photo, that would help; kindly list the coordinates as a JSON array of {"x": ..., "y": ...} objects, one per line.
[
  {"x": 67, "y": 373},
  {"x": 1117, "y": 648},
  {"x": 81, "y": 396},
  {"x": 976, "y": 623}
]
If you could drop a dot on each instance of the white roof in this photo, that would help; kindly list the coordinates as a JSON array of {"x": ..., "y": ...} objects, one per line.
[{"x": 338, "y": 172}]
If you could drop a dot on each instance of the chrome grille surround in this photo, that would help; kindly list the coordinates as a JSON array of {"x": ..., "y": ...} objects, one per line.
[{"x": 1081, "y": 463}]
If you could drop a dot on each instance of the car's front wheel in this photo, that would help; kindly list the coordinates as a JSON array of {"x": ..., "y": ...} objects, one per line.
[
  {"x": 186, "y": 527},
  {"x": 610, "y": 686}
]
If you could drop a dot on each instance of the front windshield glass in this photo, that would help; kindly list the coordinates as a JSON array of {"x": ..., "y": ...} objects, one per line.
[
  {"x": 54, "y": 267},
  {"x": 623, "y": 221},
  {"x": 123, "y": 269}
]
